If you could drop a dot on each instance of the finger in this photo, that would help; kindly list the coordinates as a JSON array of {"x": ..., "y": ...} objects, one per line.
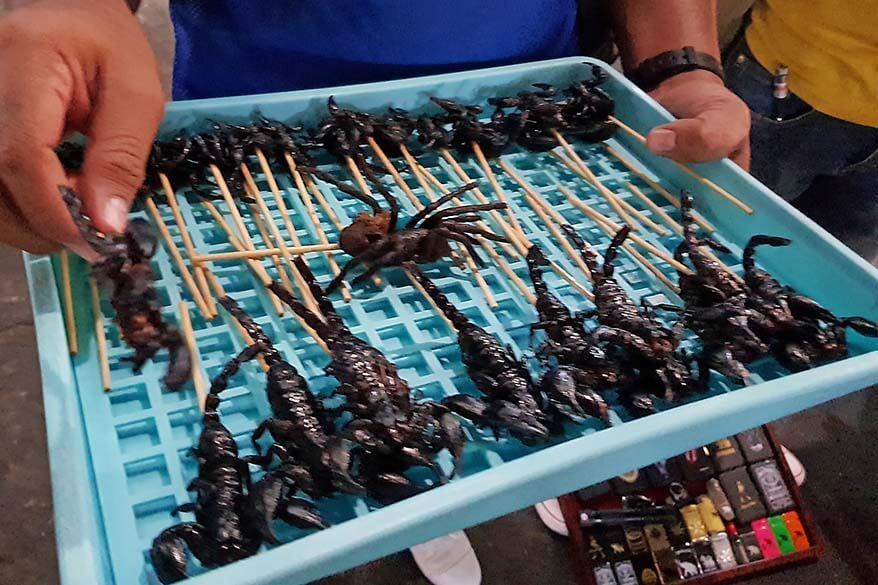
[
  {"x": 15, "y": 232},
  {"x": 742, "y": 156},
  {"x": 713, "y": 134},
  {"x": 35, "y": 94},
  {"x": 124, "y": 121}
]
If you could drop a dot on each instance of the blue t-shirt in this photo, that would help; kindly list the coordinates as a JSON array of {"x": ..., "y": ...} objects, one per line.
[{"x": 234, "y": 47}]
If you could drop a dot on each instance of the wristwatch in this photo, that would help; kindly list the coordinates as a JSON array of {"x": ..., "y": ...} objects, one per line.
[{"x": 649, "y": 74}]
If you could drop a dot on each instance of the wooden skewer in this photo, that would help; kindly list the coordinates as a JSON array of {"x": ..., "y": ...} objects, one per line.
[
  {"x": 424, "y": 177},
  {"x": 429, "y": 177},
  {"x": 177, "y": 258},
  {"x": 307, "y": 297},
  {"x": 579, "y": 167},
  {"x": 643, "y": 218},
  {"x": 589, "y": 177},
  {"x": 257, "y": 268},
  {"x": 219, "y": 292},
  {"x": 264, "y": 253},
  {"x": 686, "y": 169},
  {"x": 100, "y": 336},
  {"x": 515, "y": 237},
  {"x": 198, "y": 271},
  {"x": 189, "y": 336},
  {"x": 638, "y": 257},
  {"x": 397, "y": 178},
  {"x": 544, "y": 211},
  {"x": 266, "y": 239},
  {"x": 669, "y": 221},
  {"x": 69, "y": 316},
  {"x": 315, "y": 221},
  {"x": 675, "y": 201},
  {"x": 430, "y": 300},
  {"x": 467, "y": 258},
  {"x": 495, "y": 185},
  {"x": 599, "y": 218}
]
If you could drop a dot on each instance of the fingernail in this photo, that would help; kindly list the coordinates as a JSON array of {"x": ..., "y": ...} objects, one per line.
[
  {"x": 114, "y": 213},
  {"x": 662, "y": 140},
  {"x": 84, "y": 251}
]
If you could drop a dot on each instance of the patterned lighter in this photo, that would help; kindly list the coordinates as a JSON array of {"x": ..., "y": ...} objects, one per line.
[
  {"x": 797, "y": 531},
  {"x": 782, "y": 535},
  {"x": 767, "y": 543}
]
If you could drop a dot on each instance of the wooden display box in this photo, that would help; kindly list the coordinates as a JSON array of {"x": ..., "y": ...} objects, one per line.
[{"x": 571, "y": 506}]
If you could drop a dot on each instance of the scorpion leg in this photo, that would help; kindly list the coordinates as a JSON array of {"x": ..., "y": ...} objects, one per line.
[
  {"x": 861, "y": 325},
  {"x": 339, "y": 278},
  {"x": 295, "y": 513},
  {"x": 221, "y": 382},
  {"x": 265, "y": 498},
  {"x": 180, "y": 362},
  {"x": 369, "y": 273},
  {"x": 185, "y": 508},
  {"x": 452, "y": 437}
]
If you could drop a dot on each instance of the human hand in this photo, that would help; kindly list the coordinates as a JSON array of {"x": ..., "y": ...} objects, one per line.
[
  {"x": 714, "y": 123},
  {"x": 72, "y": 65}
]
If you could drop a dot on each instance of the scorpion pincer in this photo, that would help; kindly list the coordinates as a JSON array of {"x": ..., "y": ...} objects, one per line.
[
  {"x": 393, "y": 432},
  {"x": 125, "y": 269}
]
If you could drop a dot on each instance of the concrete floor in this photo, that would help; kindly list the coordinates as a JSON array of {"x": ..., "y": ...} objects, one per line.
[{"x": 836, "y": 442}]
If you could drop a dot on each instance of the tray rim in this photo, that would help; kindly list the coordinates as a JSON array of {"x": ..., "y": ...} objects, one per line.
[{"x": 81, "y": 556}]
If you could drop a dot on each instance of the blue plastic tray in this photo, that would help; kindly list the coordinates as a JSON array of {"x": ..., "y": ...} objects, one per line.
[{"x": 119, "y": 461}]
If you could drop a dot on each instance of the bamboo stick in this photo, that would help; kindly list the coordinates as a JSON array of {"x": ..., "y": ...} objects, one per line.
[
  {"x": 318, "y": 228},
  {"x": 599, "y": 218},
  {"x": 198, "y": 271},
  {"x": 257, "y": 268},
  {"x": 673, "y": 200},
  {"x": 189, "y": 336},
  {"x": 67, "y": 297},
  {"x": 669, "y": 221},
  {"x": 418, "y": 287},
  {"x": 643, "y": 218},
  {"x": 495, "y": 185},
  {"x": 638, "y": 257},
  {"x": 579, "y": 167},
  {"x": 397, "y": 178},
  {"x": 100, "y": 336},
  {"x": 544, "y": 211},
  {"x": 264, "y": 253},
  {"x": 176, "y": 257},
  {"x": 306, "y": 295},
  {"x": 686, "y": 169},
  {"x": 266, "y": 239}
]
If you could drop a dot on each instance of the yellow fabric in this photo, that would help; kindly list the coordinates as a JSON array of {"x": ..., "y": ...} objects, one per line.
[{"x": 831, "y": 49}]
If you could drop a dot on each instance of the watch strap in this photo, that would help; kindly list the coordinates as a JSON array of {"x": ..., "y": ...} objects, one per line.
[{"x": 652, "y": 72}]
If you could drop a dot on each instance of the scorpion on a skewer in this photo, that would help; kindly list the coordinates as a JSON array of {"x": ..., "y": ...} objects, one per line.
[
  {"x": 226, "y": 527},
  {"x": 650, "y": 347},
  {"x": 125, "y": 270},
  {"x": 512, "y": 402},
  {"x": 392, "y": 431}
]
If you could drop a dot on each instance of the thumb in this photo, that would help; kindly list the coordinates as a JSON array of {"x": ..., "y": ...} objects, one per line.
[
  {"x": 121, "y": 128},
  {"x": 712, "y": 135}
]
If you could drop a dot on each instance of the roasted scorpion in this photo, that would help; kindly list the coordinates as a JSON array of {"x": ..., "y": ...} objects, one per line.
[
  {"x": 226, "y": 527},
  {"x": 649, "y": 346},
  {"x": 799, "y": 331},
  {"x": 512, "y": 400},
  {"x": 393, "y": 432},
  {"x": 125, "y": 269},
  {"x": 301, "y": 428}
]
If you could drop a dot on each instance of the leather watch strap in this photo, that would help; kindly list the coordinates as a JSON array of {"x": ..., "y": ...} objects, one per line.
[{"x": 649, "y": 74}]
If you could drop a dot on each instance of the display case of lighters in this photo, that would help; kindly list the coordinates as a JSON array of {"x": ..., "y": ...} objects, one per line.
[{"x": 720, "y": 513}]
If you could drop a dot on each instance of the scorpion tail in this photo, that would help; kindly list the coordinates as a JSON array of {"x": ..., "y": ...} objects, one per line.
[
  {"x": 687, "y": 219},
  {"x": 168, "y": 555},
  {"x": 323, "y": 302},
  {"x": 588, "y": 254},
  {"x": 535, "y": 260},
  {"x": 613, "y": 249},
  {"x": 313, "y": 321},
  {"x": 749, "y": 261},
  {"x": 458, "y": 319}
]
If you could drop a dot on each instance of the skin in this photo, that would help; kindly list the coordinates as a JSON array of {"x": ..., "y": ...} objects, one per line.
[{"x": 86, "y": 66}]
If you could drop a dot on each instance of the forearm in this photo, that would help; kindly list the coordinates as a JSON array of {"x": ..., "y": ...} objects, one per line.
[{"x": 645, "y": 28}]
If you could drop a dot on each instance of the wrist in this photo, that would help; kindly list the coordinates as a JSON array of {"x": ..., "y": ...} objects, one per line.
[{"x": 699, "y": 76}]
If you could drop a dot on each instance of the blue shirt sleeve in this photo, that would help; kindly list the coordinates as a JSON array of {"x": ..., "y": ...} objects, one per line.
[{"x": 234, "y": 47}]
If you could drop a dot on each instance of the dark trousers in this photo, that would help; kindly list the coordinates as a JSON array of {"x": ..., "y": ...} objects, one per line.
[{"x": 826, "y": 167}]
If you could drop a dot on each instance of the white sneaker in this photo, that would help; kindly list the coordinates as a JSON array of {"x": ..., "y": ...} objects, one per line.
[
  {"x": 549, "y": 512},
  {"x": 448, "y": 560},
  {"x": 796, "y": 467}
]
